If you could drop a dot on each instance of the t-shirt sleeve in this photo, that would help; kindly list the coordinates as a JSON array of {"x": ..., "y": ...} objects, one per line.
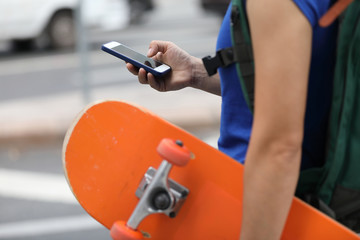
[{"x": 313, "y": 9}]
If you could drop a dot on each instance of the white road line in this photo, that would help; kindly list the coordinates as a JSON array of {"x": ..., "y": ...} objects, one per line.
[
  {"x": 47, "y": 226},
  {"x": 35, "y": 186},
  {"x": 38, "y": 64}
]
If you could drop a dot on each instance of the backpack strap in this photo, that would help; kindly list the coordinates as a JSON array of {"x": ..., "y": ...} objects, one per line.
[
  {"x": 223, "y": 58},
  {"x": 240, "y": 53},
  {"x": 241, "y": 40},
  {"x": 334, "y": 12}
]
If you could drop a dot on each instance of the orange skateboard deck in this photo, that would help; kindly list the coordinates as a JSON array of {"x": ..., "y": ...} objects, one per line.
[{"x": 108, "y": 151}]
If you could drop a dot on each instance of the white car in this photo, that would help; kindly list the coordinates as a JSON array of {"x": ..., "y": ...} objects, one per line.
[{"x": 51, "y": 23}]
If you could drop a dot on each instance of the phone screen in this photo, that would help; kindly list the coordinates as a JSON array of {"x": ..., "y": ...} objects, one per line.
[{"x": 137, "y": 56}]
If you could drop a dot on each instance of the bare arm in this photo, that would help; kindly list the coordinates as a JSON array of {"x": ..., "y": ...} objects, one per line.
[
  {"x": 187, "y": 71},
  {"x": 282, "y": 48}
]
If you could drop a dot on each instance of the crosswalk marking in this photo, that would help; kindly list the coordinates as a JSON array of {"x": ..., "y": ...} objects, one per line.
[
  {"x": 35, "y": 186},
  {"x": 47, "y": 226}
]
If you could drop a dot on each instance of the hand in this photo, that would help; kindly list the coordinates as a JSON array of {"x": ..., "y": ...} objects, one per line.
[{"x": 181, "y": 64}]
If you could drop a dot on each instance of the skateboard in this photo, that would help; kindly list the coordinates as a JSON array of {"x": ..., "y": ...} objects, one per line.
[{"x": 144, "y": 178}]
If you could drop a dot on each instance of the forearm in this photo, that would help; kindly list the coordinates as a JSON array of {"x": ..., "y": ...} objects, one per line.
[
  {"x": 201, "y": 79},
  {"x": 270, "y": 178}
]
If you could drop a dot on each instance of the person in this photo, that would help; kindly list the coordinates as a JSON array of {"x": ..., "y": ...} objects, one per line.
[{"x": 294, "y": 60}]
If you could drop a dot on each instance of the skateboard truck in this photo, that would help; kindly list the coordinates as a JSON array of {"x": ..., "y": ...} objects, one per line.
[
  {"x": 157, "y": 193},
  {"x": 161, "y": 199}
]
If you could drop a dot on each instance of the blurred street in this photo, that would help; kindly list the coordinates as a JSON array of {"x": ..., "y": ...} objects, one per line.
[{"x": 42, "y": 91}]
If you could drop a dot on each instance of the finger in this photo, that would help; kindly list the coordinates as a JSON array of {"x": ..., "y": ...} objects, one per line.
[
  {"x": 153, "y": 82},
  {"x": 142, "y": 76},
  {"x": 131, "y": 68}
]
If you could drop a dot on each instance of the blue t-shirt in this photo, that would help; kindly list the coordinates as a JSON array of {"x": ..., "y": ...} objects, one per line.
[{"x": 236, "y": 119}]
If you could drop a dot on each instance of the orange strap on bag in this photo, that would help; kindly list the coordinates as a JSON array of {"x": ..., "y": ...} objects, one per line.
[{"x": 334, "y": 12}]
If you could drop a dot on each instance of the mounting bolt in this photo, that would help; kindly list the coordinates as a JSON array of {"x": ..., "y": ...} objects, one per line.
[
  {"x": 184, "y": 194},
  {"x": 179, "y": 143}
]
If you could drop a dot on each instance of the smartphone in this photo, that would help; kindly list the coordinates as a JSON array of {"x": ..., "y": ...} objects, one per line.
[{"x": 137, "y": 59}]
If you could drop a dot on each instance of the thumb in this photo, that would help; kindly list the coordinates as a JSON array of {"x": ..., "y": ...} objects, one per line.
[{"x": 157, "y": 46}]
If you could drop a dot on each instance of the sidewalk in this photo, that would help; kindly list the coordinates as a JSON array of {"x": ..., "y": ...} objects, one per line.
[{"x": 50, "y": 116}]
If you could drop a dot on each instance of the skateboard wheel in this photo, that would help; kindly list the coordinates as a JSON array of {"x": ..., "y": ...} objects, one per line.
[
  {"x": 119, "y": 231},
  {"x": 174, "y": 152}
]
